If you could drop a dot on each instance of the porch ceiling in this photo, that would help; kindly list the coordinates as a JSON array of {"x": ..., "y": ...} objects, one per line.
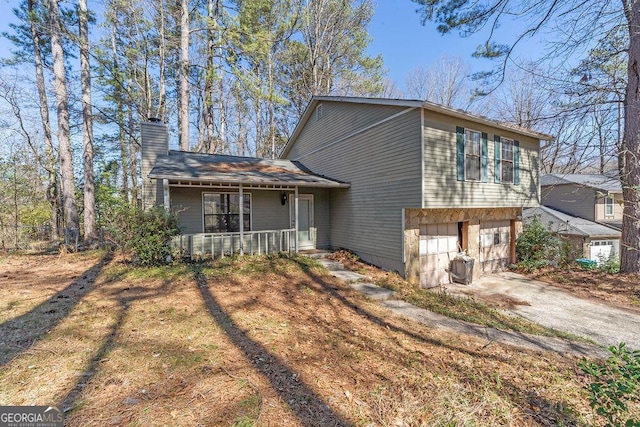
[{"x": 197, "y": 169}]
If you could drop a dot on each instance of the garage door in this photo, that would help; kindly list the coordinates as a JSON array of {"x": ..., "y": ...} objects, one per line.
[
  {"x": 495, "y": 244},
  {"x": 438, "y": 246},
  {"x": 601, "y": 250}
]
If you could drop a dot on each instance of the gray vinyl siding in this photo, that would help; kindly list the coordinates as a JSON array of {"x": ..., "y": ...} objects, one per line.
[
  {"x": 268, "y": 212},
  {"x": 571, "y": 199},
  {"x": 383, "y": 167},
  {"x": 187, "y": 202},
  {"x": 441, "y": 186},
  {"x": 338, "y": 120}
]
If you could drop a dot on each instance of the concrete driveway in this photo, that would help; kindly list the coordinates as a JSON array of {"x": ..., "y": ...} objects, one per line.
[{"x": 555, "y": 308}]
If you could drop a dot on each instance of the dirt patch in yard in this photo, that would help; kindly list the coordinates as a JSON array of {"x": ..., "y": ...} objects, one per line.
[
  {"x": 621, "y": 290},
  {"x": 264, "y": 341}
]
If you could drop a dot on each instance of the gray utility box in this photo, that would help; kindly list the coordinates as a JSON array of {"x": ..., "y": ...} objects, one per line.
[{"x": 461, "y": 270}]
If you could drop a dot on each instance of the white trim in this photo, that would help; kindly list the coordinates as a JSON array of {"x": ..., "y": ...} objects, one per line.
[
  {"x": 167, "y": 197},
  {"x": 262, "y": 185},
  {"x": 613, "y": 208},
  {"x": 479, "y": 155},
  {"x": 312, "y": 236},
  {"x": 513, "y": 160},
  {"x": 352, "y": 134},
  {"x": 226, "y": 192}
]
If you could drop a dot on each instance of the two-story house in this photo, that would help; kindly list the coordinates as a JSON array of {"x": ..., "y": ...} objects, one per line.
[
  {"x": 590, "y": 205},
  {"x": 404, "y": 184}
]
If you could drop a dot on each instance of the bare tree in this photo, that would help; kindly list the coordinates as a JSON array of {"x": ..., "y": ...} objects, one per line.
[
  {"x": 445, "y": 82},
  {"x": 90, "y": 228},
  {"x": 184, "y": 75},
  {"x": 64, "y": 135},
  {"x": 50, "y": 163}
]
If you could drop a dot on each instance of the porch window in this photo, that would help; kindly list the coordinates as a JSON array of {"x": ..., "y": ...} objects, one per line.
[
  {"x": 222, "y": 212},
  {"x": 608, "y": 206}
]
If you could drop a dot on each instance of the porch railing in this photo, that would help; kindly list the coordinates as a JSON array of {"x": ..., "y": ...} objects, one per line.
[{"x": 211, "y": 245}]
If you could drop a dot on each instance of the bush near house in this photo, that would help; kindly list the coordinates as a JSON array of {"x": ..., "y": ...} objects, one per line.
[
  {"x": 145, "y": 235},
  {"x": 537, "y": 247}
]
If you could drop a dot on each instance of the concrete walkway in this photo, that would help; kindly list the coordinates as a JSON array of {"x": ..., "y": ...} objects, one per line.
[
  {"x": 431, "y": 319},
  {"x": 555, "y": 308}
]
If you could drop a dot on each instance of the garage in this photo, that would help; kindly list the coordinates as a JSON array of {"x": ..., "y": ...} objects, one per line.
[
  {"x": 438, "y": 246},
  {"x": 602, "y": 250},
  {"x": 495, "y": 245}
]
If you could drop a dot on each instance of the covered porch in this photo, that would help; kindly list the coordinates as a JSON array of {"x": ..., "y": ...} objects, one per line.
[{"x": 230, "y": 205}]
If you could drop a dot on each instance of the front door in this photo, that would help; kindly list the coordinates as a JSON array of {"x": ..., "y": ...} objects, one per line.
[{"x": 306, "y": 229}]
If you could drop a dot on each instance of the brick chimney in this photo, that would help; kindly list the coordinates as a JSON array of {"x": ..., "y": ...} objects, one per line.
[{"x": 155, "y": 143}]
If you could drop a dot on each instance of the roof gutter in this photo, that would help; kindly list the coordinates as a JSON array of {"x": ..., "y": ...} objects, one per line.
[{"x": 235, "y": 182}]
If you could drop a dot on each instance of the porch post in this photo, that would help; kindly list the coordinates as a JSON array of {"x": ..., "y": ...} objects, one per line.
[
  {"x": 295, "y": 219},
  {"x": 241, "y": 220},
  {"x": 165, "y": 188}
]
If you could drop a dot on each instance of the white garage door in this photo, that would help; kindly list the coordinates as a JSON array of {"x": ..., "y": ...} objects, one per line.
[
  {"x": 601, "y": 250},
  {"x": 495, "y": 244},
  {"x": 438, "y": 246}
]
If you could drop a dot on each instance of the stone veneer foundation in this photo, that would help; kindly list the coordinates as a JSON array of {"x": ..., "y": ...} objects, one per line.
[{"x": 470, "y": 218}]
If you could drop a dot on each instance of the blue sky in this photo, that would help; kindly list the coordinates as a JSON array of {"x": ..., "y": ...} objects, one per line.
[{"x": 395, "y": 29}]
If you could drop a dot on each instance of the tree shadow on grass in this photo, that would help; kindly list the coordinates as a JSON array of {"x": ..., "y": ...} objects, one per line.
[
  {"x": 21, "y": 333},
  {"x": 307, "y": 405},
  {"x": 131, "y": 295},
  {"x": 543, "y": 410}
]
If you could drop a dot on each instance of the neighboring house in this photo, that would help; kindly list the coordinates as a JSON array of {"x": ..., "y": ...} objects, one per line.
[
  {"x": 404, "y": 184},
  {"x": 596, "y": 197},
  {"x": 592, "y": 197},
  {"x": 591, "y": 240}
]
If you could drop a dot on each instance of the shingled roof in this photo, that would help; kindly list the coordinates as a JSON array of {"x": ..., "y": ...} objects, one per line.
[
  {"x": 602, "y": 182},
  {"x": 216, "y": 168},
  {"x": 569, "y": 225}
]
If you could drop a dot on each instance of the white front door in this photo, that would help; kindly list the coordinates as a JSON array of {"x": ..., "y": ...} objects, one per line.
[{"x": 306, "y": 229}]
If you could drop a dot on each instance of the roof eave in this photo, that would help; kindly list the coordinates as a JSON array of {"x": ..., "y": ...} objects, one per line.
[
  {"x": 473, "y": 117},
  {"x": 250, "y": 182}
]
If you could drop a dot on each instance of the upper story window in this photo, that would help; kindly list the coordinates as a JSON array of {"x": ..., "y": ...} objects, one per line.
[
  {"x": 472, "y": 155},
  {"x": 507, "y": 160},
  {"x": 608, "y": 206},
  {"x": 222, "y": 212}
]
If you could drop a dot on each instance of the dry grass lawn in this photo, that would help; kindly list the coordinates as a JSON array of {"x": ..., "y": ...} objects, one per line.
[{"x": 266, "y": 341}]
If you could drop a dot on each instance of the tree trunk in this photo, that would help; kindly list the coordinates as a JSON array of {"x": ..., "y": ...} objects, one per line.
[
  {"x": 90, "y": 228},
  {"x": 628, "y": 161},
  {"x": 52, "y": 178},
  {"x": 64, "y": 138},
  {"x": 184, "y": 75}
]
